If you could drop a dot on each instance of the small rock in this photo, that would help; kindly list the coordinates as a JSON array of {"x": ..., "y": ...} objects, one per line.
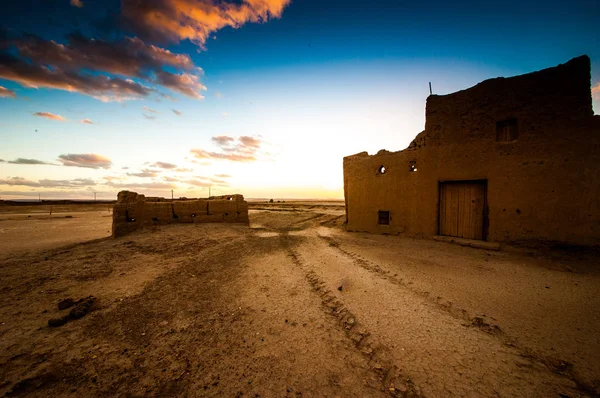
[
  {"x": 66, "y": 303},
  {"x": 55, "y": 322}
]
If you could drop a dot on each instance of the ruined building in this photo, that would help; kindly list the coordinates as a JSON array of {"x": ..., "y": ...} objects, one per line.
[
  {"x": 509, "y": 160},
  {"x": 134, "y": 211}
]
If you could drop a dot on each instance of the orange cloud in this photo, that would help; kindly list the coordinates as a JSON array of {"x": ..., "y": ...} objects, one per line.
[
  {"x": 86, "y": 121},
  {"x": 101, "y": 87},
  {"x": 87, "y": 160},
  {"x": 175, "y": 20},
  {"x": 596, "y": 91},
  {"x": 6, "y": 93},
  {"x": 77, "y": 3},
  {"x": 49, "y": 115},
  {"x": 45, "y": 63}
]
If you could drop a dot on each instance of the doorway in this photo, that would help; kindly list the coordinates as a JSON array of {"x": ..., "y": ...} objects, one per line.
[{"x": 462, "y": 211}]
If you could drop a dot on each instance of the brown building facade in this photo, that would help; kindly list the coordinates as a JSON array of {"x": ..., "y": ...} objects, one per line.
[{"x": 508, "y": 160}]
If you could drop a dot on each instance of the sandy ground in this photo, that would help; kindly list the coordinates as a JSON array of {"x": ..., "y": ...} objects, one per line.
[
  {"x": 292, "y": 306},
  {"x": 30, "y": 228}
]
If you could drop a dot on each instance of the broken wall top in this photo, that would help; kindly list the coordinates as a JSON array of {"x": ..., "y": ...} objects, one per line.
[
  {"x": 130, "y": 197},
  {"x": 542, "y": 102},
  {"x": 554, "y": 97}
]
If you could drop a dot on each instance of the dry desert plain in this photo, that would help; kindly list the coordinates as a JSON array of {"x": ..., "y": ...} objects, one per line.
[{"x": 291, "y": 306}]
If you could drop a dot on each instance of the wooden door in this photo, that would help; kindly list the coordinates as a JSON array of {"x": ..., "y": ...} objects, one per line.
[{"x": 462, "y": 209}]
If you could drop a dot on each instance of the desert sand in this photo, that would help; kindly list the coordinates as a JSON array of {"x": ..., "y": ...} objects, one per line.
[{"x": 292, "y": 305}]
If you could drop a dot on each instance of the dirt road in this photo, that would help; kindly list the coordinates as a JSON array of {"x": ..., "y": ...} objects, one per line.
[{"x": 295, "y": 306}]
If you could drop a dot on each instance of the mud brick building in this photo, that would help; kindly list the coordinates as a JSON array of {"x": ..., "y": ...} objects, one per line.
[{"x": 508, "y": 160}]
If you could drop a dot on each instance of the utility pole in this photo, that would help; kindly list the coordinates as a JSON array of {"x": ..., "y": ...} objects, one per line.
[
  {"x": 39, "y": 197},
  {"x": 209, "y": 192},
  {"x": 171, "y": 194},
  {"x": 94, "y": 196},
  {"x": 430, "y": 92}
]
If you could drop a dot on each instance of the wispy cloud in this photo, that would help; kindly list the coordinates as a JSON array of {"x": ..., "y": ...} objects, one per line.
[
  {"x": 76, "y": 183},
  {"x": 205, "y": 182},
  {"x": 183, "y": 170},
  {"x": 50, "y": 116},
  {"x": 164, "y": 165},
  {"x": 149, "y": 117},
  {"x": 146, "y": 173},
  {"x": 148, "y": 109},
  {"x": 199, "y": 183},
  {"x": 178, "y": 113},
  {"x": 86, "y": 121},
  {"x": 6, "y": 93},
  {"x": 87, "y": 160},
  {"x": 28, "y": 161},
  {"x": 175, "y": 20},
  {"x": 77, "y": 3},
  {"x": 240, "y": 149},
  {"x": 185, "y": 83},
  {"x": 150, "y": 185},
  {"x": 222, "y": 175},
  {"x": 223, "y": 140}
]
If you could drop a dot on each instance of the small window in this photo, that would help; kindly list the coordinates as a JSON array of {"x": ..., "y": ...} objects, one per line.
[
  {"x": 506, "y": 130},
  {"x": 412, "y": 166},
  {"x": 384, "y": 217},
  {"x": 381, "y": 170}
]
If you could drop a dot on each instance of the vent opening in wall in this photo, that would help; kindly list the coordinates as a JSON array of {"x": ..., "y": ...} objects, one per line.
[
  {"x": 506, "y": 130},
  {"x": 381, "y": 170},
  {"x": 412, "y": 166},
  {"x": 384, "y": 217}
]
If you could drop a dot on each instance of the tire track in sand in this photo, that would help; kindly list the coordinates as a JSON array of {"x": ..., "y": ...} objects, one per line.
[
  {"x": 553, "y": 364},
  {"x": 387, "y": 376}
]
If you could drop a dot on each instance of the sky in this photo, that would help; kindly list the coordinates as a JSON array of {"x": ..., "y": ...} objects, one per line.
[{"x": 258, "y": 97}]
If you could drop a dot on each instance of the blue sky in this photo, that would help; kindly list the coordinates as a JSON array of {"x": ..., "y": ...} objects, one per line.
[{"x": 260, "y": 97}]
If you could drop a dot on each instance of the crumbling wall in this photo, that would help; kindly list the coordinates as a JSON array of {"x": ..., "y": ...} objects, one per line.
[
  {"x": 541, "y": 185},
  {"x": 134, "y": 211}
]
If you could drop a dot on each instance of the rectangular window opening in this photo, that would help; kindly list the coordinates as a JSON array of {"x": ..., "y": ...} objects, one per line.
[
  {"x": 384, "y": 217},
  {"x": 506, "y": 130}
]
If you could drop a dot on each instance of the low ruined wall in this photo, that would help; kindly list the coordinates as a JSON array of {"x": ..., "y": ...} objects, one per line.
[{"x": 133, "y": 211}]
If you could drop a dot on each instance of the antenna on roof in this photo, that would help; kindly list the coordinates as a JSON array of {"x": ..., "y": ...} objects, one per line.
[{"x": 430, "y": 92}]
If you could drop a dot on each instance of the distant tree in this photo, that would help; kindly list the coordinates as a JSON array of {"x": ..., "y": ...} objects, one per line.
[{"x": 271, "y": 201}]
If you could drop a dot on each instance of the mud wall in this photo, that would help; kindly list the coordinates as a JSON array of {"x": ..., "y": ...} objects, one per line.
[
  {"x": 541, "y": 185},
  {"x": 133, "y": 211}
]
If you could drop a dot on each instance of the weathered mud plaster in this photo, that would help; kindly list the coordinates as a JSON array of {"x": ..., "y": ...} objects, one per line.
[
  {"x": 531, "y": 142},
  {"x": 134, "y": 211}
]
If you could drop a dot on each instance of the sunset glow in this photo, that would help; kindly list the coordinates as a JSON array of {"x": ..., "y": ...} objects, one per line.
[{"x": 258, "y": 97}]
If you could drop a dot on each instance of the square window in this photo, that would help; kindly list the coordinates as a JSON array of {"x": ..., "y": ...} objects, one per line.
[
  {"x": 506, "y": 130},
  {"x": 384, "y": 217}
]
